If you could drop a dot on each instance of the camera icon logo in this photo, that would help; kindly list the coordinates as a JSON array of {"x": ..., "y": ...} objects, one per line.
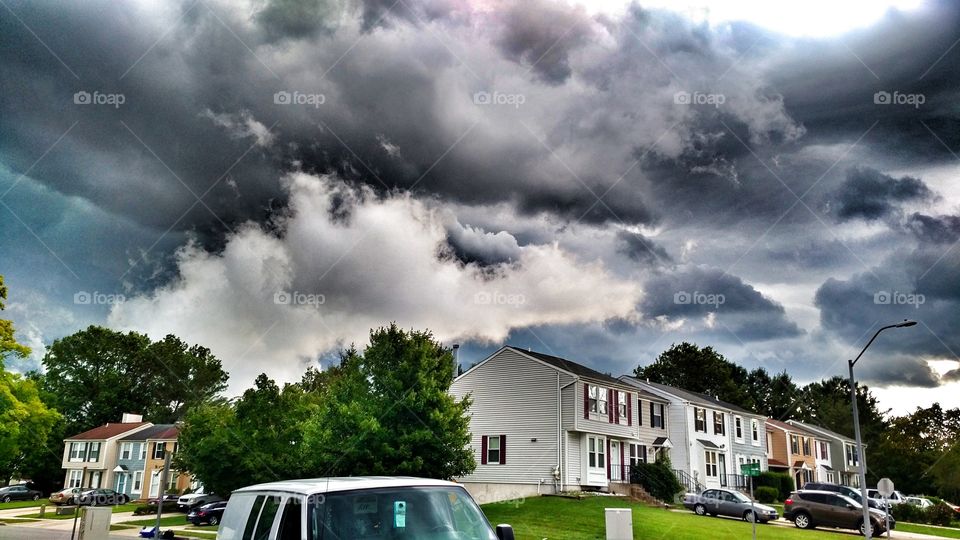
[
  {"x": 82, "y": 98},
  {"x": 282, "y": 98},
  {"x": 681, "y": 98},
  {"x": 482, "y": 298},
  {"x": 881, "y": 98},
  {"x": 82, "y": 298},
  {"x": 282, "y": 298},
  {"x": 882, "y": 298},
  {"x": 482, "y": 98},
  {"x": 682, "y": 297}
]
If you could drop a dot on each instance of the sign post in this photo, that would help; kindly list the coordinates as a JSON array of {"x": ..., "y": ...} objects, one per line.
[
  {"x": 885, "y": 487},
  {"x": 751, "y": 470}
]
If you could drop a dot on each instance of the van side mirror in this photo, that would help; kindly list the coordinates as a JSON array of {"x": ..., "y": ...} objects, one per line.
[{"x": 504, "y": 532}]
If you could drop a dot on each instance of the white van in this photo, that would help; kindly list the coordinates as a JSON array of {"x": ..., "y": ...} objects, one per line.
[{"x": 357, "y": 508}]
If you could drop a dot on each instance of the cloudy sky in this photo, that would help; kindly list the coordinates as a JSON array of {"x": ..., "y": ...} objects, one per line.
[{"x": 272, "y": 178}]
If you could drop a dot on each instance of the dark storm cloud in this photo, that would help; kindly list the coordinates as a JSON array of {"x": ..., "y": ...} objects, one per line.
[
  {"x": 935, "y": 229},
  {"x": 541, "y": 35},
  {"x": 869, "y": 194},
  {"x": 697, "y": 291},
  {"x": 902, "y": 371},
  {"x": 642, "y": 249}
]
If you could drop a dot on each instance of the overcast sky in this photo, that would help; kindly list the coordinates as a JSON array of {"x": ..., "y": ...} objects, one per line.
[{"x": 273, "y": 178}]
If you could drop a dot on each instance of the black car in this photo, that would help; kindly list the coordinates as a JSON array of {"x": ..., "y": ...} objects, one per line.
[
  {"x": 853, "y": 493},
  {"x": 18, "y": 493},
  {"x": 102, "y": 497},
  {"x": 167, "y": 499},
  {"x": 209, "y": 513}
]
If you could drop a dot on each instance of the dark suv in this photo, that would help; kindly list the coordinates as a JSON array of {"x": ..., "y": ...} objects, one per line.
[
  {"x": 809, "y": 509},
  {"x": 843, "y": 490}
]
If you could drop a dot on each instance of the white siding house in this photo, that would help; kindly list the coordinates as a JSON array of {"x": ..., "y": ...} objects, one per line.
[{"x": 542, "y": 424}]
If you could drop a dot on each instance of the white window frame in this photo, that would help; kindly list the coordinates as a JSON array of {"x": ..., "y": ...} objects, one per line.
[
  {"x": 490, "y": 448},
  {"x": 156, "y": 445},
  {"x": 143, "y": 451},
  {"x": 710, "y": 462},
  {"x": 637, "y": 453},
  {"x": 769, "y": 445},
  {"x": 795, "y": 445},
  {"x": 90, "y": 451},
  {"x": 137, "y": 486},
  {"x": 75, "y": 478},
  {"x": 596, "y": 452},
  {"x": 598, "y": 400},
  {"x": 738, "y": 428},
  {"x": 755, "y": 432},
  {"x": 126, "y": 450},
  {"x": 76, "y": 454},
  {"x": 697, "y": 411},
  {"x": 622, "y": 408},
  {"x": 657, "y": 420},
  {"x": 717, "y": 415}
]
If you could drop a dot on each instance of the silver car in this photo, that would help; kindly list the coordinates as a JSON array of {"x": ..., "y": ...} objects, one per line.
[{"x": 726, "y": 502}]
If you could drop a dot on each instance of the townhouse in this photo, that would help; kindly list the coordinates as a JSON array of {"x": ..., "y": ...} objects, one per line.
[
  {"x": 711, "y": 438},
  {"x": 89, "y": 457},
  {"x": 791, "y": 450},
  {"x": 540, "y": 423},
  {"x": 836, "y": 455}
]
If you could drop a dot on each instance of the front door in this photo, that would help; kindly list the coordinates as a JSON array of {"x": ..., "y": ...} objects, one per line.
[
  {"x": 95, "y": 479},
  {"x": 121, "y": 483},
  {"x": 616, "y": 472},
  {"x": 722, "y": 470},
  {"x": 596, "y": 460},
  {"x": 154, "y": 483}
]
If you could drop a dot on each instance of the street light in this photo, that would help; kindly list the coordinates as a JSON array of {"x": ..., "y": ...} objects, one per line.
[{"x": 856, "y": 429}]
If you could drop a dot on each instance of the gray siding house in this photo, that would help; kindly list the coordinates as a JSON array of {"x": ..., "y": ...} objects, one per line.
[
  {"x": 543, "y": 424},
  {"x": 838, "y": 463}
]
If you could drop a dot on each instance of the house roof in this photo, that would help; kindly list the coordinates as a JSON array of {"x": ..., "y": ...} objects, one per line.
[
  {"x": 107, "y": 431},
  {"x": 697, "y": 397},
  {"x": 820, "y": 430},
  {"x": 159, "y": 431},
  {"x": 792, "y": 428},
  {"x": 567, "y": 365},
  {"x": 708, "y": 444},
  {"x": 659, "y": 441},
  {"x": 771, "y": 462}
]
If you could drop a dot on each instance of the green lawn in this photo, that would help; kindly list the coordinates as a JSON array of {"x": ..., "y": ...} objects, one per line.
[
  {"x": 175, "y": 520},
  {"x": 23, "y": 504},
  {"x": 196, "y": 533},
  {"x": 924, "y": 529},
  {"x": 548, "y": 518},
  {"x": 51, "y": 512}
]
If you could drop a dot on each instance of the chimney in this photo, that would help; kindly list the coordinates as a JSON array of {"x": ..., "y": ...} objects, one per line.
[
  {"x": 456, "y": 359},
  {"x": 130, "y": 418}
]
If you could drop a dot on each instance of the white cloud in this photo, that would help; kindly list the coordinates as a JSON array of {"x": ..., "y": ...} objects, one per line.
[{"x": 375, "y": 261}]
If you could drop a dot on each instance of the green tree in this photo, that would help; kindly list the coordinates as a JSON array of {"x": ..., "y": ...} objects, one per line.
[
  {"x": 257, "y": 439},
  {"x": 8, "y": 343},
  {"x": 702, "y": 370},
  {"x": 97, "y": 374},
  {"x": 389, "y": 412}
]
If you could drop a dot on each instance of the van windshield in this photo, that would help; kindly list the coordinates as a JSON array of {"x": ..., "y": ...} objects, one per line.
[{"x": 407, "y": 513}]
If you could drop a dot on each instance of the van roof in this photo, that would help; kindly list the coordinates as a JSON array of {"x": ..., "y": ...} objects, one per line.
[{"x": 311, "y": 486}]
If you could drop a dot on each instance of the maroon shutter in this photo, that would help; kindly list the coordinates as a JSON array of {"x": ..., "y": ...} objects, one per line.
[
  {"x": 503, "y": 449},
  {"x": 663, "y": 416},
  {"x": 651, "y": 416},
  {"x": 629, "y": 409},
  {"x": 609, "y": 409},
  {"x": 608, "y": 459},
  {"x": 616, "y": 406},
  {"x": 586, "y": 401},
  {"x": 623, "y": 469},
  {"x": 640, "y": 412},
  {"x": 483, "y": 450}
]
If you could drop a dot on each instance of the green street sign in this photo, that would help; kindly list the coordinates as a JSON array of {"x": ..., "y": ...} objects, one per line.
[{"x": 750, "y": 469}]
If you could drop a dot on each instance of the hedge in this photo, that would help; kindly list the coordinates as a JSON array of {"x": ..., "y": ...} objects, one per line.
[
  {"x": 657, "y": 479},
  {"x": 767, "y": 494},
  {"x": 151, "y": 509},
  {"x": 939, "y": 514},
  {"x": 782, "y": 482}
]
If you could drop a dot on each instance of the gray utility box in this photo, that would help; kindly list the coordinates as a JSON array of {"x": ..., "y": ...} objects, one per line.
[
  {"x": 619, "y": 523},
  {"x": 95, "y": 522}
]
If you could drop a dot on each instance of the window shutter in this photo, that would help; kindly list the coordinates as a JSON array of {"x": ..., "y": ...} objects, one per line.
[
  {"x": 483, "y": 450},
  {"x": 629, "y": 409},
  {"x": 586, "y": 401},
  {"x": 651, "y": 415},
  {"x": 640, "y": 412},
  {"x": 663, "y": 416},
  {"x": 609, "y": 408},
  {"x": 643, "y": 451},
  {"x": 623, "y": 469},
  {"x": 503, "y": 449},
  {"x": 616, "y": 405},
  {"x": 608, "y": 459}
]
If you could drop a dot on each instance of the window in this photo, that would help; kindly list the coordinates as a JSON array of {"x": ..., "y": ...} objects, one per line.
[
  {"x": 493, "y": 449},
  {"x": 126, "y": 450},
  {"x": 852, "y": 456},
  {"x": 93, "y": 452},
  {"x": 137, "y": 481},
  {"x": 719, "y": 428},
  {"x": 176, "y": 446},
  {"x": 158, "y": 449},
  {"x": 657, "y": 415},
  {"x": 755, "y": 432},
  {"x": 76, "y": 478},
  {"x": 598, "y": 400},
  {"x": 77, "y": 450},
  {"x": 172, "y": 480},
  {"x": 142, "y": 450},
  {"x": 638, "y": 453},
  {"x": 699, "y": 419},
  {"x": 267, "y": 515},
  {"x": 738, "y": 427},
  {"x": 290, "y": 520},
  {"x": 824, "y": 450},
  {"x": 806, "y": 446},
  {"x": 710, "y": 460},
  {"x": 596, "y": 451},
  {"x": 795, "y": 444},
  {"x": 622, "y": 407}
]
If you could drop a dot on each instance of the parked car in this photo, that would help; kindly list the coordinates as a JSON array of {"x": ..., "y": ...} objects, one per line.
[
  {"x": 809, "y": 509},
  {"x": 197, "y": 501},
  {"x": 18, "y": 493},
  {"x": 956, "y": 509},
  {"x": 102, "y": 497},
  {"x": 188, "y": 500},
  {"x": 209, "y": 513},
  {"x": 167, "y": 498},
  {"x": 356, "y": 507},
  {"x": 853, "y": 493},
  {"x": 895, "y": 498},
  {"x": 726, "y": 502},
  {"x": 67, "y": 496},
  {"x": 921, "y": 502}
]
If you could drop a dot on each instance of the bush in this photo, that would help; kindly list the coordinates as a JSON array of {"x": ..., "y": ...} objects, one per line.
[
  {"x": 908, "y": 512},
  {"x": 657, "y": 479},
  {"x": 782, "y": 482},
  {"x": 151, "y": 509},
  {"x": 767, "y": 494},
  {"x": 939, "y": 514}
]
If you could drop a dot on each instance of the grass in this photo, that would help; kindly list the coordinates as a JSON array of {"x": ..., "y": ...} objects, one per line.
[
  {"x": 168, "y": 521},
  {"x": 194, "y": 533},
  {"x": 23, "y": 504},
  {"x": 551, "y": 518},
  {"x": 924, "y": 529},
  {"x": 51, "y": 512}
]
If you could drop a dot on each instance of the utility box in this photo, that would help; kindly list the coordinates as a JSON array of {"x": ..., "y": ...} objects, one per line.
[
  {"x": 95, "y": 523},
  {"x": 619, "y": 523}
]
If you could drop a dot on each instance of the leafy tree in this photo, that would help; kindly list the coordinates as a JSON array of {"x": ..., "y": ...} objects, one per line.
[
  {"x": 8, "y": 344},
  {"x": 97, "y": 374},
  {"x": 702, "y": 370},
  {"x": 389, "y": 412},
  {"x": 257, "y": 439}
]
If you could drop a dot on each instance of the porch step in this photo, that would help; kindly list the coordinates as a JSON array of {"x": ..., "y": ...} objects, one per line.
[{"x": 637, "y": 493}]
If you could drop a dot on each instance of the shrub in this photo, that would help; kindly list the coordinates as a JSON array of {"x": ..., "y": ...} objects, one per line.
[
  {"x": 782, "y": 482},
  {"x": 939, "y": 514},
  {"x": 767, "y": 494},
  {"x": 657, "y": 479},
  {"x": 151, "y": 509},
  {"x": 908, "y": 512}
]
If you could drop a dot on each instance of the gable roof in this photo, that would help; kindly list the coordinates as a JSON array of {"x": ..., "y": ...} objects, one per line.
[
  {"x": 788, "y": 427},
  {"x": 817, "y": 430},
  {"x": 567, "y": 365},
  {"x": 696, "y": 397},
  {"x": 107, "y": 431},
  {"x": 159, "y": 431}
]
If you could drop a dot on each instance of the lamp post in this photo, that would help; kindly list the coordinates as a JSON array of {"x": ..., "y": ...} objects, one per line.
[{"x": 856, "y": 429}]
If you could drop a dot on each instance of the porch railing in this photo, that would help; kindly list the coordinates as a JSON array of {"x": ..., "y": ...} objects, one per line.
[{"x": 688, "y": 482}]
